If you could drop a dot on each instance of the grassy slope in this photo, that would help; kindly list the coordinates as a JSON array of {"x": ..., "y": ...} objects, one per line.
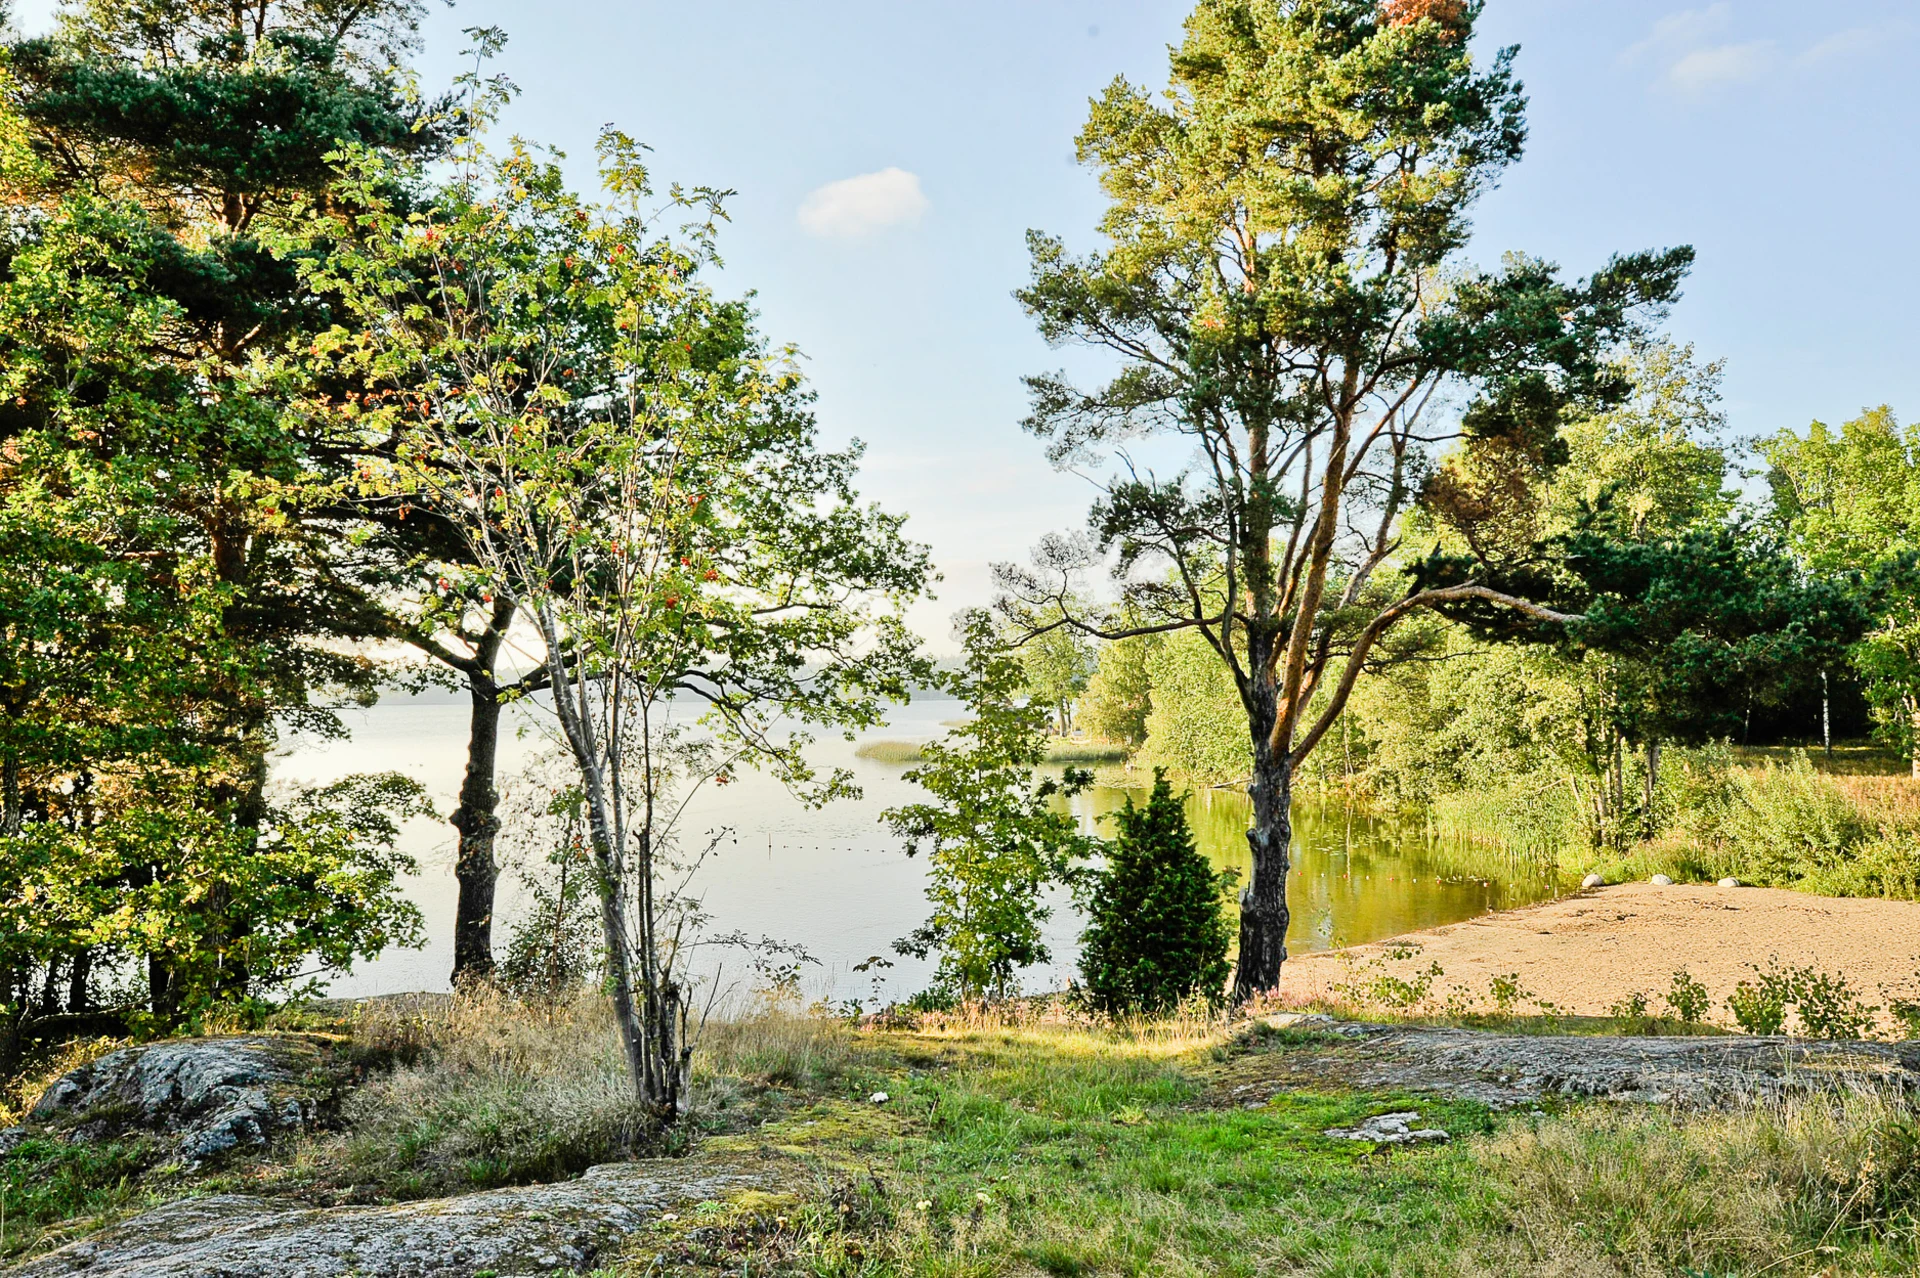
[
  {"x": 1009, "y": 1149},
  {"x": 1071, "y": 1153}
]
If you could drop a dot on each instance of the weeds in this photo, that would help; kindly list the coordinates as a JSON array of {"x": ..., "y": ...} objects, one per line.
[
  {"x": 1687, "y": 998},
  {"x": 1826, "y": 1004}
]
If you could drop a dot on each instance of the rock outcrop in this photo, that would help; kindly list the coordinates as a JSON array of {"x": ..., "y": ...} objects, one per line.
[
  {"x": 1504, "y": 1070},
  {"x": 568, "y": 1227},
  {"x": 213, "y": 1093}
]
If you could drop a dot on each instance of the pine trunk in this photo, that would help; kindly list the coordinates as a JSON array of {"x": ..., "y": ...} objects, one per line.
[{"x": 1263, "y": 902}]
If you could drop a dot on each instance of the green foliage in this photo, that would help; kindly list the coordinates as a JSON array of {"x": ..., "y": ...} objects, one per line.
[
  {"x": 1827, "y": 1005},
  {"x": 1851, "y": 502},
  {"x": 1687, "y": 998},
  {"x": 1196, "y": 726},
  {"x": 993, "y": 837},
  {"x": 1760, "y": 1007},
  {"x": 1058, "y": 663},
  {"x": 1119, "y": 694},
  {"x": 1156, "y": 932},
  {"x": 184, "y": 582},
  {"x": 555, "y": 946}
]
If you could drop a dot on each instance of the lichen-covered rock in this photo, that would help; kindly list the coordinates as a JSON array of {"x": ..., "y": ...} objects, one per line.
[
  {"x": 214, "y": 1093},
  {"x": 1389, "y": 1129},
  {"x": 567, "y": 1227},
  {"x": 1504, "y": 1070}
]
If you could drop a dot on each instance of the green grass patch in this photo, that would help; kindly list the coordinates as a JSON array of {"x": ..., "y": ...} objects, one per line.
[
  {"x": 51, "y": 1191},
  {"x": 1071, "y": 1153}
]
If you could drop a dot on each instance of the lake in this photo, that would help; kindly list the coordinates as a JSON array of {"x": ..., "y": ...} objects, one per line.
[{"x": 836, "y": 882}]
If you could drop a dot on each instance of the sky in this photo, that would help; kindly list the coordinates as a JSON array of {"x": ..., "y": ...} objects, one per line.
[{"x": 888, "y": 158}]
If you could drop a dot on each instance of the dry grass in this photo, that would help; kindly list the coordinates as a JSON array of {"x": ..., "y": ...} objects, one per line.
[
  {"x": 497, "y": 1093},
  {"x": 1060, "y": 1020},
  {"x": 489, "y": 1090},
  {"x": 1770, "y": 1190}
]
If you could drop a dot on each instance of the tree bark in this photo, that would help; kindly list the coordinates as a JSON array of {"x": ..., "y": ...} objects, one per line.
[
  {"x": 1263, "y": 902},
  {"x": 11, "y": 816},
  {"x": 77, "y": 981},
  {"x": 478, "y": 822},
  {"x": 1648, "y": 816}
]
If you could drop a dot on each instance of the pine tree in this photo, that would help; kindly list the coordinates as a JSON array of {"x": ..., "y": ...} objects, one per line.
[{"x": 1158, "y": 933}]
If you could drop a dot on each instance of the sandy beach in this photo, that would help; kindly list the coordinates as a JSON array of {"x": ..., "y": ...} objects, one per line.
[{"x": 1588, "y": 951}]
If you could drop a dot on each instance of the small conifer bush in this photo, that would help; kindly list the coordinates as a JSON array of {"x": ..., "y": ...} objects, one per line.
[{"x": 1157, "y": 933}]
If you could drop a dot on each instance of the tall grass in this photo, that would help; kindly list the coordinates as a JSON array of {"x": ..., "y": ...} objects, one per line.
[
  {"x": 492, "y": 1090},
  {"x": 1774, "y": 1189},
  {"x": 498, "y": 1093}
]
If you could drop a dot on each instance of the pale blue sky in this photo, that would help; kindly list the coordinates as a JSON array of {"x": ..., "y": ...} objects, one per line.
[{"x": 1778, "y": 138}]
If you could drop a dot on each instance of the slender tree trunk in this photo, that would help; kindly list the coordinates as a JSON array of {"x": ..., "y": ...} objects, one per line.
[
  {"x": 1648, "y": 816},
  {"x": 1914, "y": 719},
  {"x": 11, "y": 816},
  {"x": 608, "y": 856},
  {"x": 1263, "y": 902},
  {"x": 162, "y": 999},
  {"x": 1826, "y": 715},
  {"x": 479, "y": 824},
  {"x": 77, "y": 981},
  {"x": 50, "y": 989}
]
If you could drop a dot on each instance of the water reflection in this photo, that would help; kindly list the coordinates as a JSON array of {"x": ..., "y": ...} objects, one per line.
[
  {"x": 1356, "y": 877},
  {"x": 836, "y": 881}
]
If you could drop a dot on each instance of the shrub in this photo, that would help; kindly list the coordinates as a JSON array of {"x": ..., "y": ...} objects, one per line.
[
  {"x": 556, "y": 945},
  {"x": 1688, "y": 998},
  {"x": 1829, "y": 1007},
  {"x": 1760, "y": 1007},
  {"x": 1156, "y": 932}
]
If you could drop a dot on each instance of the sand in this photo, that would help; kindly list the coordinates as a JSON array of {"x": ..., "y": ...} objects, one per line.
[{"x": 1587, "y": 952}]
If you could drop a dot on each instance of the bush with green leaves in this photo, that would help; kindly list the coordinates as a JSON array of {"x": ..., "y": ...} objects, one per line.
[
  {"x": 1688, "y": 998},
  {"x": 994, "y": 839},
  {"x": 1827, "y": 1004},
  {"x": 1157, "y": 932}
]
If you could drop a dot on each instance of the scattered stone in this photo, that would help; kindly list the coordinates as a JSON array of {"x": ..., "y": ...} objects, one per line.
[
  {"x": 1390, "y": 1129},
  {"x": 511, "y": 1233},
  {"x": 1729, "y": 883},
  {"x": 215, "y": 1093},
  {"x": 879, "y": 1098},
  {"x": 10, "y": 1139},
  {"x": 1593, "y": 881},
  {"x": 1661, "y": 880}
]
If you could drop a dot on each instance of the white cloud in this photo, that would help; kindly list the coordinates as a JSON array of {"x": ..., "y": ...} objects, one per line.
[
  {"x": 1711, "y": 68},
  {"x": 1690, "y": 53},
  {"x": 1678, "y": 32},
  {"x": 864, "y": 204},
  {"x": 1857, "y": 42}
]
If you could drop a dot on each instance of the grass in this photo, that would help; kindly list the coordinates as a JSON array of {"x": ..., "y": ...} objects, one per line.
[
  {"x": 1034, "y": 1140},
  {"x": 1059, "y": 750},
  {"x": 51, "y": 1191},
  {"x": 1037, "y": 1148}
]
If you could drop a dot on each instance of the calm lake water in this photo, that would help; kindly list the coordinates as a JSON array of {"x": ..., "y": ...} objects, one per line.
[{"x": 836, "y": 882}]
